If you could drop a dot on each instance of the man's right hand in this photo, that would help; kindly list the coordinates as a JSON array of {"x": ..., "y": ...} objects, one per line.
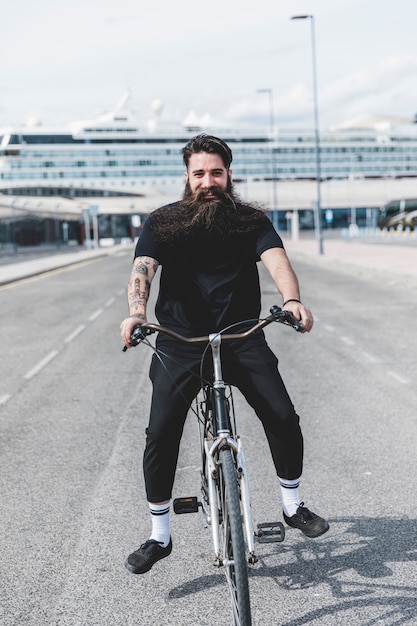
[{"x": 127, "y": 326}]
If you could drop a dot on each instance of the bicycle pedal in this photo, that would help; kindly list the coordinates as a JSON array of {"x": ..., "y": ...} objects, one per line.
[
  {"x": 186, "y": 505},
  {"x": 270, "y": 532}
]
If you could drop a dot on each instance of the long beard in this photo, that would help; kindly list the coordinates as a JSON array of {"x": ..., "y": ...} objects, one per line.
[
  {"x": 201, "y": 213},
  {"x": 199, "y": 216}
]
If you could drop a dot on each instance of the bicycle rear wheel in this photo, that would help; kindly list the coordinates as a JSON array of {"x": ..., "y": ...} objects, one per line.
[{"x": 232, "y": 539}]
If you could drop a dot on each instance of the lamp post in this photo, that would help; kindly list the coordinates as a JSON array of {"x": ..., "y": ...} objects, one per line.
[
  {"x": 319, "y": 234},
  {"x": 273, "y": 162}
]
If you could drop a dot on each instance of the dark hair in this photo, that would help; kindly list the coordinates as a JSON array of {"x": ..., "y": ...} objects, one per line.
[{"x": 207, "y": 143}]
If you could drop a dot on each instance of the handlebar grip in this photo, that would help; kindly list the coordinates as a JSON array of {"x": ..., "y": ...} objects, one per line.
[
  {"x": 286, "y": 317},
  {"x": 136, "y": 337},
  {"x": 298, "y": 326}
]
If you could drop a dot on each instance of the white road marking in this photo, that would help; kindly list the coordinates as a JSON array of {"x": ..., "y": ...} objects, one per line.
[
  {"x": 370, "y": 357},
  {"x": 331, "y": 329},
  {"x": 35, "y": 370},
  {"x": 5, "y": 398},
  {"x": 348, "y": 341},
  {"x": 75, "y": 333},
  {"x": 95, "y": 315},
  {"x": 399, "y": 378}
]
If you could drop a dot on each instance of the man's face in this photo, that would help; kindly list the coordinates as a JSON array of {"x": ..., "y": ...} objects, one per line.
[{"x": 207, "y": 170}]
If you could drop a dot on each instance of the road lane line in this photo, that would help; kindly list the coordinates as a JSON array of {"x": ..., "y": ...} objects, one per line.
[
  {"x": 35, "y": 370},
  {"x": 370, "y": 357},
  {"x": 399, "y": 378},
  {"x": 347, "y": 340},
  {"x": 95, "y": 315},
  {"x": 110, "y": 302},
  {"x": 331, "y": 329},
  {"x": 75, "y": 333},
  {"x": 5, "y": 398}
]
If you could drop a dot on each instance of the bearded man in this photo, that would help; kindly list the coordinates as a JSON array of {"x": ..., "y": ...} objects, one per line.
[{"x": 208, "y": 245}]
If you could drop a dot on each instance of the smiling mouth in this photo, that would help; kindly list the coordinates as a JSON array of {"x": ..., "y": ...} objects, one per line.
[{"x": 210, "y": 193}]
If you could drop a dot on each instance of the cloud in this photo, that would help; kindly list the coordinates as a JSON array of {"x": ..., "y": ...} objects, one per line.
[
  {"x": 388, "y": 87},
  {"x": 379, "y": 78},
  {"x": 374, "y": 88}
]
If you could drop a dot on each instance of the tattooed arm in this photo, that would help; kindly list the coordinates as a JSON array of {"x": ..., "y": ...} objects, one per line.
[
  {"x": 139, "y": 285},
  {"x": 138, "y": 289}
]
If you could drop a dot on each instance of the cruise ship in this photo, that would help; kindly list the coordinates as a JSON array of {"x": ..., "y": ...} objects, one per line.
[{"x": 106, "y": 175}]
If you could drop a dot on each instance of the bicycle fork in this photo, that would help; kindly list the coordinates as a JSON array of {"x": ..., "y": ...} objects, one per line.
[{"x": 212, "y": 515}]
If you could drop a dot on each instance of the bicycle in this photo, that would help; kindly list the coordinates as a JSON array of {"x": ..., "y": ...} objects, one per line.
[{"x": 225, "y": 497}]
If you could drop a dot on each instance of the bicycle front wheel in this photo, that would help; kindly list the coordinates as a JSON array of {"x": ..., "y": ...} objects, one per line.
[{"x": 232, "y": 539}]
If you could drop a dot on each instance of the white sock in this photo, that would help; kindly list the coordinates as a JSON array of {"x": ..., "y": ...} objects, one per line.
[
  {"x": 289, "y": 495},
  {"x": 160, "y": 523}
]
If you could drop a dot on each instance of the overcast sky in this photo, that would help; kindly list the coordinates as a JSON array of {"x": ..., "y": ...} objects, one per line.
[{"x": 68, "y": 60}]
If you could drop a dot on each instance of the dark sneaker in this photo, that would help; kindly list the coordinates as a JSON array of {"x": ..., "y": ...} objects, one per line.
[
  {"x": 308, "y": 522},
  {"x": 146, "y": 556}
]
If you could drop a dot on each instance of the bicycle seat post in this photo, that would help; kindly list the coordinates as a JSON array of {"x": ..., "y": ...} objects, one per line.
[
  {"x": 215, "y": 342},
  {"x": 222, "y": 417}
]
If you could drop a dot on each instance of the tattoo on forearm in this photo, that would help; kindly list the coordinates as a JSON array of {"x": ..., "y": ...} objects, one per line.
[
  {"x": 140, "y": 284},
  {"x": 139, "y": 295},
  {"x": 142, "y": 269}
]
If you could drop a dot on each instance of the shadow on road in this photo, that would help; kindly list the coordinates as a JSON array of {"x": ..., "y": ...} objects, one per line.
[{"x": 355, "y": 560}]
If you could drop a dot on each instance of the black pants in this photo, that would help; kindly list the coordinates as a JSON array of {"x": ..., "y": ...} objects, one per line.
[{"x": 251, "y": 368}]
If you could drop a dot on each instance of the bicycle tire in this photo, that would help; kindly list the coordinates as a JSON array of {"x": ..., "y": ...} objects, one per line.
[{"x": 233, "y": 543}]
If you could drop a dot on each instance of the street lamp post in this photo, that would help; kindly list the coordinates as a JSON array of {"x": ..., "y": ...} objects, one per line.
[
  {"x": 273, "y": 160},
  {"x": 319, "y": 233}
]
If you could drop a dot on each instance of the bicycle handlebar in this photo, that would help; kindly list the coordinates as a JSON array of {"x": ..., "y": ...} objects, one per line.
[{"x": 276, "y": 315}]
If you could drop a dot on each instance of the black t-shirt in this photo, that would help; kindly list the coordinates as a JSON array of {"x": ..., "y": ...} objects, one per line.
[{"x": 208, "y": 283}]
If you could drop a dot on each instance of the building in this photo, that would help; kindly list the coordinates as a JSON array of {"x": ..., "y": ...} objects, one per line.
[{"x": 101, "y": 178}]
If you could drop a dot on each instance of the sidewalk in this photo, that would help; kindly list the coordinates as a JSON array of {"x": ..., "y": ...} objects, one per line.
[
  {"x": 11, "y": 272},
  {"x": 393, "y": 258},
  {"x": 396, "y": 259}
]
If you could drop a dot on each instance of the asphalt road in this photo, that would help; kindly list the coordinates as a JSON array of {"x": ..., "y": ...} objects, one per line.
[{"x": 73, "y": 409}]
